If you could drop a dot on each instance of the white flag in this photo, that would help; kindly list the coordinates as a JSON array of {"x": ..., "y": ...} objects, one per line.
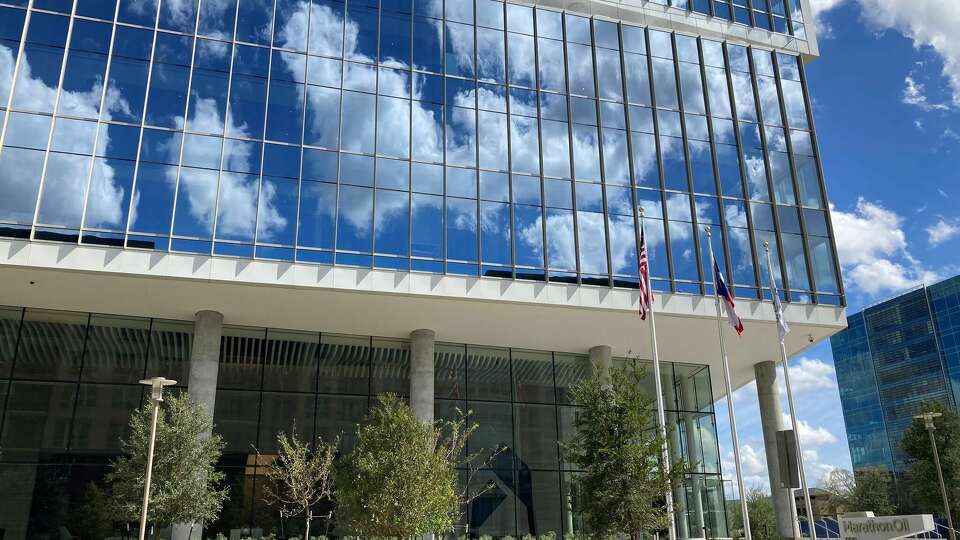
[{"x": 782, "y": 328}]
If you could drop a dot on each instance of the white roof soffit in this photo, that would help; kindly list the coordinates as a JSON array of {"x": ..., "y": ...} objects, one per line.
[{"x": 482, "y": 311}]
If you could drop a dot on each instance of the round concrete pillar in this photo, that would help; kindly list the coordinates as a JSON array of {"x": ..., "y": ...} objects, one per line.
[
  {"x": 601, "y": 359},
  {"x": 422, "y": 373},
  {"x": 205, "y": 359},
  {"x": 771, "y": 420},
  {"x": 202, "y": 385}
]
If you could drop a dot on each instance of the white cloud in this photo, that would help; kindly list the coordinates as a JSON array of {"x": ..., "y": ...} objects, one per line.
[
  {"x": 914, "y": 93},
  {"x": 883, "y": 275},
  {"x": 820, "y": 8},
  {"x": 753, "y": 460},
  {"x": 942, "y": 231},
  {"x": 806, "y": 375},
  {"x": 754, "y": 467},
  {"x": 810, "y": 374},
  {"x": 929, "y": 23},
  {"x": 943, "y": 193},
  {"x": 869, "y": 232},
  {"x": 872, "y": 248},
  {"x": 811, "y": 437}
]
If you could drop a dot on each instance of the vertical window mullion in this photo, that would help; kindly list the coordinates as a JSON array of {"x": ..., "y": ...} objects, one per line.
[
  {"x": 183, "y": 135},
  {"x": 5, "y": 398},
  {"x": 821, "y": 181},
  {"x": 811, "y": 275},
  {"x": 543, "y": 187},
  {"x": 716, "y": 173},
  {"x": 685, "y": 148},
  {"x": 774, "y": 203},
  {"x": 53, "y": 121},
  {"x": 573, "y": 158},
  {"x": 660, "y": 170},
  {"x": 16, "y": 73},
  {"x": 100, "y": 122},
  {"x": 303, "y": 129},
  {"x": 743, "y": 169},
  {"x": 76, "y": 384},
  {"x": 630, "y": 161},
  {"x": 143, "y": 122}
]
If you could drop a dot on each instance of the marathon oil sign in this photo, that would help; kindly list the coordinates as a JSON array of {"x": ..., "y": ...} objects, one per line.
[{"x": 868, "y": 527}]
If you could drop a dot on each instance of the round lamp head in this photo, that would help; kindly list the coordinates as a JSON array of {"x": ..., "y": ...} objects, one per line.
[{"x": 156, "y": 385}]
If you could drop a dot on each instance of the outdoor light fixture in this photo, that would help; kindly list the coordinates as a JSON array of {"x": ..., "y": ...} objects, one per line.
[
  {"x": 927, "y": 418},
  {"x": 156, "y": 385}
]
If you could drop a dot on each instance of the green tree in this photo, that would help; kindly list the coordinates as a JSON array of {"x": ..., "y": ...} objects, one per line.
[
  {"x": 401, "y": 479},
  {"x": 300, "y": 477},
  {"x": 185, "y": 486},
  {"x": 619, "y": 448},
  {"x": 872, "y": 492},
  {"x": 867, "y": 490},
  {"x": 91, "y": 518},
  {"x": 839, "y": 484},
  {"x": 763, "y": 521},
  {"x": 922, "y": 473}
]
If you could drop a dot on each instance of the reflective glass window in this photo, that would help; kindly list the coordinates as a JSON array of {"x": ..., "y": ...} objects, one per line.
[
  {"x": 796, "y": 261},
  {"x": 665, "y": 83},
  {"x": 580, "y": 62},
  {"x": 528, "y": 235},
  {"x": 427, "y": 225},
  {"x": 495, "y": 237},
  {"x": 552, "y": 71}
]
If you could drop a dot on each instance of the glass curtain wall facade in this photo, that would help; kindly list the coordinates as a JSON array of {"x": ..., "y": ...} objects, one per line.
[
  {"x": 893, "y": 358},
  {"x": 464, "y": 138},
  {"x": 781, "y": 16},
  {"x": 68, "y": 382}
]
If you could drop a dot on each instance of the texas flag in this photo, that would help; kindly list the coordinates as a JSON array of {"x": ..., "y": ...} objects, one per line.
[{"x": 728, "y": 304}]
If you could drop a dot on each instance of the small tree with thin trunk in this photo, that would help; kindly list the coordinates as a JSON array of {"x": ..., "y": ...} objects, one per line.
[
  {"x": 619, "y": 447},
  {"x": 401, "y": 479},
  {"x": 185, "y": 486},
  {"x": 300, "y": 477}
]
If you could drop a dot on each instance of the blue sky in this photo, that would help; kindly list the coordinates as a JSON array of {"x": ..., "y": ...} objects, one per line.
[{"x": 886, "y": 93}]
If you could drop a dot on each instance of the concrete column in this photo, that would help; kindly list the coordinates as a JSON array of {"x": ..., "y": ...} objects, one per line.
[
  {"x": 601, "y": 359},
  {"x": 771, "y": 419},
  {"x": 202, "y": 385},
  {"x": 205, "y": 359},
  {"x": 421, "y": 374}
]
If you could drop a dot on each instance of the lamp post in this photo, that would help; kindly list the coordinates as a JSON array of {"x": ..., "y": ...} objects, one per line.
[
  {"x": 156, "y": 385},
  {"x": 927, "y": 418}
]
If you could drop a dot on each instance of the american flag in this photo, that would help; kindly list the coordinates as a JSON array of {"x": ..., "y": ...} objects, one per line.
[{"x": 646, "y": 295}]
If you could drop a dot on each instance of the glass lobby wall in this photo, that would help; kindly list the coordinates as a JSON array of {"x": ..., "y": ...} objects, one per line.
[
  {"x": 68, "y": 382},
  {"x": 472, "y": 138}
]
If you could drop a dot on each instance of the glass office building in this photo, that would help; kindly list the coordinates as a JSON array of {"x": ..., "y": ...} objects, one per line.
[
  {"x": 477, "y": 139},
  {"x": 331, "y": 175},
  {"x": 69, "y": 382},
  {"x": 896, "y": 356}
]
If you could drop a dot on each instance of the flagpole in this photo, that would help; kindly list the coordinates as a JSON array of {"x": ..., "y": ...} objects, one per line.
[
  {"x": 793, "y": 411},
  {"x": 658, "y": 388},
  {"x": 732, "y": 414}
]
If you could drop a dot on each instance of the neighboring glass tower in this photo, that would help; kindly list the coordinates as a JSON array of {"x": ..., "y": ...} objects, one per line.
[
  {"x": 894, "y": 357},
  {"x": 331, "y": 198}
]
